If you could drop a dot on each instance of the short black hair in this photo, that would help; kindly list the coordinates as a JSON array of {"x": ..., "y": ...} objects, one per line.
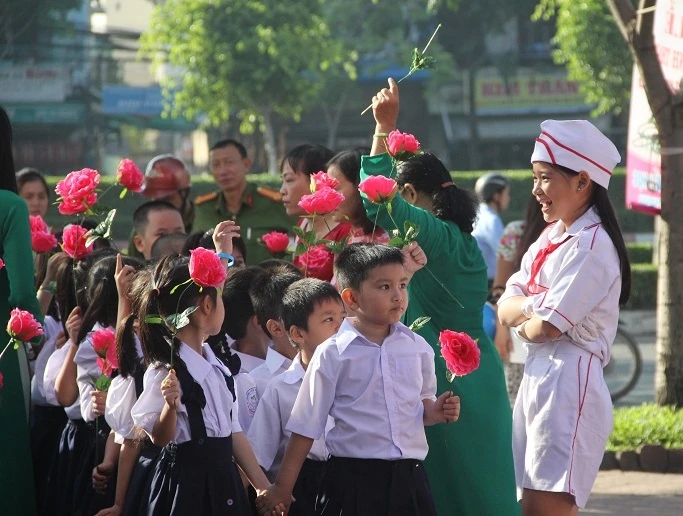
[
  {"x": 356, "y": 262},
  {"x": 221, "y": 144},
  {"x": 238, "y": 306},
  {"x": 266, "y": 293},
  {"x": 307, "y": 158},
  {"x": 301, "y": 298},
  {"x": 29, "y": 175},
  {"x": 167, "y": 244},
  {"x": 282, "y": 265},
  {"x": 141, "y": 214}
]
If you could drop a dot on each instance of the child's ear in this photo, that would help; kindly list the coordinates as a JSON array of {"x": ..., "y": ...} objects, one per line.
[
  {"x": 137, "y": 242},
  {"x": 348, "y": 295},
  {"x": 275, "y": 328},
  {"x": 296, "y": 335},
  {"x": 584, "y": 180}
]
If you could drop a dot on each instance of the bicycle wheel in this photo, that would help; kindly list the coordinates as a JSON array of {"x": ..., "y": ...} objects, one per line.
[{"x": 625, "y": 365}]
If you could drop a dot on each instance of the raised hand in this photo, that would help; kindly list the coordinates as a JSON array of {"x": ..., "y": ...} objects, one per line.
[
  {"x": 223, "y": 234},
  {"x": 123, "y": 277},
  {"x": 73, "y": 323},
  {"x": 414, "y": 258},
  {"x": 385, "y": 107}
]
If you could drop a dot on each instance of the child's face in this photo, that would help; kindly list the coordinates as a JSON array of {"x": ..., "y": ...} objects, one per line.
[
  {"x": 383, "y": 296},
  {"x": 556, "y": 192},
  {"x": 159, "y": 223},
  {"x": 324, "y": 322}
]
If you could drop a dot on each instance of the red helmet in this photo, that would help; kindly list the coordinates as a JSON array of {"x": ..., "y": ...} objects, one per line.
[{"x": 164, "y": 176}]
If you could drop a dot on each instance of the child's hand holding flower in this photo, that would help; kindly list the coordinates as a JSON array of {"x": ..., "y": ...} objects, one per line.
[
  {"x": 447, "y": 407},
  {"x": 414, "y": 258},
  {"x": 170, "y": 390}
]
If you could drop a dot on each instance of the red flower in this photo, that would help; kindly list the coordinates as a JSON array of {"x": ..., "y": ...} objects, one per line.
[
  {"x": 318, "y": 262},
  {"x": 379, "y": 189},
  {"x": 129, "y": 176},
  {"x": 105, "y": 366},
  {"x": 460, "y": 351},
  {"x": 73, "y": 241},
  {"x": 102, "y": 340},
  {"x": 2, "y": 380},
  {"x": 206, "y": 269},
  {"x": 321, "y": 180},
  {"x": 112, "y": 357},
  {"x": 322, "y": 202},
  {"x": 23, "y": 326},
  {"x": 402, "y": 145},
  {"x": 37, "y": 224},
  {"x": 42, "y": 241},
  {"x": 2, "y": 264},
  {"x": 276, "y": 242},
  {"x": 77, "y": 191}
]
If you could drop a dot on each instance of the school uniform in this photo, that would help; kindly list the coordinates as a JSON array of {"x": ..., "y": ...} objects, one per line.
[
  {"x": 374, "y": 395},
  {"x": 274, "y": 365},
  {"x": 195, "y": 473},
  {"x": 571, "y": 278}
]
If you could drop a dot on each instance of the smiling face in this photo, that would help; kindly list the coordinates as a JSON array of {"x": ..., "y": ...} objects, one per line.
[
  {"x": 294, "y": 186},
  {"x": 559, "y": 193},
  {"x": 36, "y": 197},
  {"x": 383, "y": 297}
]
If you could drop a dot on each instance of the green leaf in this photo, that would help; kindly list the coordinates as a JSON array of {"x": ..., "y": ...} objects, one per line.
[
  {"x": 180, "y": 285},
  {"x": 449, "y": 376},
  {"x": 310, "y": 237},
  {"x": 178, "y": 321},
  {"x": 153, "y": 319},
  {"x": 103, "y": 229},
  {"x": 419, "y": 323},
  {"x": 103, "y": 383},
  {"x": 300, "y": 249},
  {"x": 123, "y": 193},
  {"x": 298, "y": 232},
  {"x": 389, "y": 207},
  {"x": 396, "y": 241},
  {"x": 17, "y": 343}
]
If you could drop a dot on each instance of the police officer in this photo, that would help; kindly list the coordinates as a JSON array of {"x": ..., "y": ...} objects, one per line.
[{"x": 256, "y": 209}]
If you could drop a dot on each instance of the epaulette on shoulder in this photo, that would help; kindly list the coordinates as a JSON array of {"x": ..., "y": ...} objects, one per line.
[
  {"x": 205, "y": 198},
  {"x": 269, "y": 193}
]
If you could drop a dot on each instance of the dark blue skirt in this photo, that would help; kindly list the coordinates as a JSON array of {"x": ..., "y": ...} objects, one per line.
[
  {"x": 307, "y": 487},
  {"x": 199, "y": 478},
  {"x": 47, "y": 425},
  {"x": 140, "y": 480}
]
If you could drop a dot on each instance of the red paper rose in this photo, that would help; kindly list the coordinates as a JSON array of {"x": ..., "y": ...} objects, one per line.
[
  {"x": 112, "y": 357},
  {"x": 276, "y": 242},
  {"x": 102, "y": 340},
  {"x": 73, "y": 241},
  {"x": 77, "y": 191},
  {"x": 318, "y": 262},
  {"x": 460, "y": 351},
  {"x": 105, "y": 367},
  {"x": 42, "y": 241},
  {"x": 206, "y": 269},
  {"x": 2, "y": 380},
  {"x": 23, "y": 326},
  {"x": 379, "y": 189},
  {"x": 2, "y": 264},
  {"x": 402, "y": 145},
  {"x": 321, "y": 180},
  {"x": 129, "y": 176},
  {"x": 322, "y": 202},
  {"x": 37, "y": 224}
]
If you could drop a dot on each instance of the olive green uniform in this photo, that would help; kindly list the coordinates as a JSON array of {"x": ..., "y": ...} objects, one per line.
[{"x": 261, "y": 211}]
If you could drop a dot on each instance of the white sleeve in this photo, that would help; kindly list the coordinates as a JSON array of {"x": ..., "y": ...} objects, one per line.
[
  {"x": 247, "y": 399},
  {"x": 265, "y": 433},
  {"x": 148, "y": 407},
  {"x": 428, "y": 371},
  {"x": 87, "y": 375},
  {"x": 120, "y": 400},
  {"x": 52, "y": 368},
  {"x": 235, "y": 414},
  {"x": 517, "y": 283}
]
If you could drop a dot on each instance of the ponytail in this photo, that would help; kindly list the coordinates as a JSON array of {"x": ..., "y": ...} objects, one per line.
[{"x": 127, "y": 355}]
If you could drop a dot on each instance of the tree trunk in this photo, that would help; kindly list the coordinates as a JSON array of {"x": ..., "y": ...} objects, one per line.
[
  {"x": 333, "y": 120},
  {"x": 269, "y": 142},
  {"x": 473, "y": 147}
]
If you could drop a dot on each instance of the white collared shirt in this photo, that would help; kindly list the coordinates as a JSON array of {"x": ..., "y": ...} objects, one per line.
[
  {"x": 52, "y": 368},
  {"x": 488, "y": 228},
  {"x": 274, "y": 365},
  {"x": 268, "y": 434},
  {"x": 87, "y": 374},
  {"x": 247, "y": 399},
  {"x": 579, "y": 281},
  {"x": 248, "y": 362},
  {"x": 51, "y": 330},
  {"x": 208, "y": 372},
  {"x": 121, "y": 398},
  {"x": 373, "y": 393}
]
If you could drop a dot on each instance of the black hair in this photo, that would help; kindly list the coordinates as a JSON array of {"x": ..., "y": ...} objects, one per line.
[
  {"x": 238, "y": 306},
  {"x": 348, "y": 162},
  {"x": 221, "y": 144},
  {"x": 156, "y": 299},
  {"x": 126, "y": 351},
  {"x": 450, "y": 202},
  {"x": 101, "y": 294},
  {"x": 8, "y": 180},
  {"x": 280, "y": 265},
  {"x": 307, "y": 158},
  {"x": 603, "y": 205},
  {"x": 28, "y": 175},
  {"x": 534, "y": 224},
  {"x": 167, "y": 244},
  {"x": 302, "y": 297},
  {"x": 266, "y": 293},
  {"x": 205, "y": 239},
  {"x": 141, "y": 214},
  {"x": 356, "y": 262}
]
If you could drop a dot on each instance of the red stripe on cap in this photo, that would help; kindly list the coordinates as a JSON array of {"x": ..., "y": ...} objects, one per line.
[
  {"x": 547, "y": 147},
  {"x": 577, "y": 153}
]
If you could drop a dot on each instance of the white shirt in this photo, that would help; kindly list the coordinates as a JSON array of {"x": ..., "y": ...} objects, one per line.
[
  {"x": 51, "y": 330},
  {"x": 208, "y": 372},
  {"x": 247, "y": 399},
  {"x": 579, "y": 283},
  {"x": 120, "y": 400},
  {"x": 52, "y": 368},
  {"x": 373, "y": 393},
  {"x": 488, "y": 228},
  {"x": 268, "y": 435},
  {"x": 274, "y": 365},
  {"x": 248, "y": 362},
  {"x": 87, "y": 374}
]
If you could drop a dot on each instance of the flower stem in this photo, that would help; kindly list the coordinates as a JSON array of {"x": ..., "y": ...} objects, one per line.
[
  {"x": 7, "y": 346},
  {"x": 443, "y": 286},
  {"x": 431, "y": 39},
  {"x": 374, "y": 224}
]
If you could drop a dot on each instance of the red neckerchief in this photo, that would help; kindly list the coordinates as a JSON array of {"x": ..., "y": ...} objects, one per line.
[{"x": 539, "y": 260}]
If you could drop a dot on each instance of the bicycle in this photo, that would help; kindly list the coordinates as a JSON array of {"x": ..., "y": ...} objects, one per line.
[{"x": 625, "y": 366}]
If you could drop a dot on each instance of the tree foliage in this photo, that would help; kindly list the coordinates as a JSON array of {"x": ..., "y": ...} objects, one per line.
[{"x": 588, "y": 43}]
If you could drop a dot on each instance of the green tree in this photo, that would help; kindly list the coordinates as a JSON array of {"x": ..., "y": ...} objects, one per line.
[{"x": 258, "y": 58}]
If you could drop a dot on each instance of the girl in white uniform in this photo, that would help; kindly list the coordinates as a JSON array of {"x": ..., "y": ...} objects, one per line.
[{"x": 564, "y": 305}]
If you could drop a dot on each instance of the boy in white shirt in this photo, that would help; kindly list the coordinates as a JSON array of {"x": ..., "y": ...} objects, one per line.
[
  {"x": 312, "y": 312},
  {"x": 376, "y": 379}
]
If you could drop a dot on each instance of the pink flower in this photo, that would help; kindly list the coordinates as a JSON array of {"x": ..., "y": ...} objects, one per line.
[
  {"x": 460, "y": 351},
  {"x": 42, "y": 241},
  {"x": 37, "y": 224},
  {"x": 402, "y": 145},
  {"x": 276, "y": 242},
  {"x": 77, "y": 191},
  {"x": 73, "y": 241},
  {"x": 2, "y": 263},
  {"x": 129, "y": 176},
  {"x": 112, "y": 357},
  {"x": 105, "y": 366},
  {"x": 206, "y": 269},
  {"x": 2, "y": 380},
  {"x": 322, "y": 202},
  {"x": 321, "y": 180},
  {"x": 318, "y": 262},
  {"x": 102, "y": 340},
  {"x": 23, "y": 326},
  {"x": 379, "y": 189}
]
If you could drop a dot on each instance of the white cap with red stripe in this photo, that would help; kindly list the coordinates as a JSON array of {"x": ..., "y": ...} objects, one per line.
[{"x": 577, "y": 145}]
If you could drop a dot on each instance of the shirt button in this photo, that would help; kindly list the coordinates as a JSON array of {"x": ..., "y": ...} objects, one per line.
[
  {"x": 200, "y": 441},
  {"x": 230, "y": 502}
]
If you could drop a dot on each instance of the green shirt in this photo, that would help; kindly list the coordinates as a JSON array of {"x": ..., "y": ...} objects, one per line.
[{"x": 261, "y": 211}]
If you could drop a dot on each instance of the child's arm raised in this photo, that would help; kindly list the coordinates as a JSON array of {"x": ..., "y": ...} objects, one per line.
[
  {"x": 164, "y": 429},
  {"x": 446, "y": 409}
]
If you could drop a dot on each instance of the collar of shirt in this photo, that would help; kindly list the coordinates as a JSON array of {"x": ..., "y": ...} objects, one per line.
[
  {"x": 200, "y": 366},
  {"x": 348, "y": 333},
  {"x": 274, "y": 360},
  {"x": 590, "y": 218},
  {"x": 247, "y": 199},
  {"x": 295, "y": 373}
]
